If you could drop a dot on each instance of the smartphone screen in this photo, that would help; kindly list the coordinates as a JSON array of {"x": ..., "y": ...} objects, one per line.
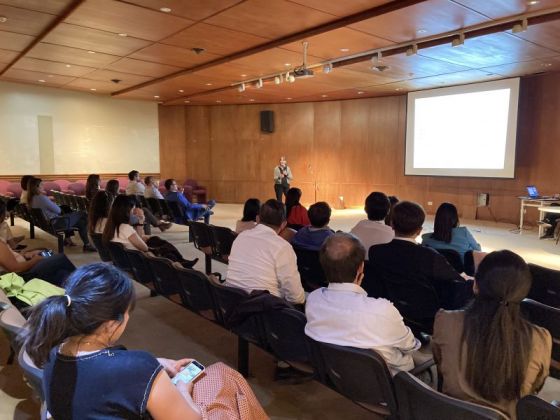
[{"x": 189, "y": 372}]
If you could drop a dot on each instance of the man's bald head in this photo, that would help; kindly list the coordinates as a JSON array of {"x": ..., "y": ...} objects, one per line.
[{"x": 341, "y": 255}]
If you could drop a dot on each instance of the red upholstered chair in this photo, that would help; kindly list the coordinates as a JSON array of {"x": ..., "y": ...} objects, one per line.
[
  {"x": 103, "y": 184},
  {"x": 15, "y": 189},
  {"x": 63, "y": 183},
  {"x": 123, "y": 182},
  {"x": 4, "y": 187},
  {"x": 197, "y": 192},
  {"x": 49, "y": 186},
  {"x": 78, "y": 188}
]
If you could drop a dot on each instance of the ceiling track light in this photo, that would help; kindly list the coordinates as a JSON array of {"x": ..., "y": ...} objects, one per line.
[
  {"x": 241, "y": 87},
  {"x": 460, "y": 40},
  {"x": 290, "y": 78},
  {"x": 327, "y": 68},
  {"x": 413, "y": 50},
  {"x": 259, "y": 84},
  {"x": 278, "y": 79},
  {"x": 376, "y": 59},
  {"x": 520, "y": 27}
]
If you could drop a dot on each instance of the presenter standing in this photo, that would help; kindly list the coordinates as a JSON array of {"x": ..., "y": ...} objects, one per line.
[{"x": 282, "y": 179}]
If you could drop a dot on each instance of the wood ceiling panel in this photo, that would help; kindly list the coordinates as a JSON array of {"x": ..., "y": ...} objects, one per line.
[
  {"x": 274, "y": 60},
  {"x": 212, "y": 39},
  {"x": 7, "y": 56},
  {"x": 14, "y": 42},
  {"x": 24, "y": 21},
  {"x": 496, "y": 9},
  {"x": 526, "y": 67},
  {"x": 233, "y": 73},
  {"x": 94, "y": 40},
  {"x": 173, "y": 56},
  {"x": 330, "y": 44},
  {"x": 489, "y": 50},
  {"x": 53, "y": 7},
  {"x": 250, "y": 96},
  {"x": 34, "y": 77},
  {"x": 190, "y": 9},
  {"x": 433, "y": 17},
  {"x": 341, "y": 8},
  {"x": 142, "y": 68},
  {"x": 457, "y": 78},
  {"x": 408, "y": 67},
  {"x": 117, "y": 17},
  {"x": 345, "y": 78},
  {"x": 271, "y": 19},
  {"x": 544, "y": 34},
  {"x": 126, "y": 79},
  {"x": 52, "y": 67},
  {"x": 89, "y": 85},
  {"x": 69, "y": 55}
]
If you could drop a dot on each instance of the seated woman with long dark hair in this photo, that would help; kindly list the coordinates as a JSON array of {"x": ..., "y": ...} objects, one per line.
[
  {"x": 488, "y": 353},
  {"x": 37, "y": 199},
  {"x": 448, "y": 234},
  {"x": 72, "y": 337},
  {"x": 250, "y": 212},
  {"x": 99, "y": 211},
  {"x": 93, "y": 184}
]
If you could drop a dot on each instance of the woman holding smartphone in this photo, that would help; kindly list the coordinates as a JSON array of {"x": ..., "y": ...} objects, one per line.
[{"x": 76, "y": 333}]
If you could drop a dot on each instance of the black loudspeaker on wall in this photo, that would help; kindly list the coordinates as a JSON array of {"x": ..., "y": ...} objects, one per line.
[{"x": 267, "y": 121}]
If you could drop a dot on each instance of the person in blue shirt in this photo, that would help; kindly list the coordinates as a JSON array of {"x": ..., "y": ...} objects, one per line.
[
  {"x": 191, "y": 211},
  {"x": 448, "y": 234},
  {"x": 312, "y": 237}
]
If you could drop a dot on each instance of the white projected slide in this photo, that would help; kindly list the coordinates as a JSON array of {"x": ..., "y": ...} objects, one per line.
[{"x": 463, "y": 130}]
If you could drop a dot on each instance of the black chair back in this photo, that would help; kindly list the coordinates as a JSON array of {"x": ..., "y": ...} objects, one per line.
[
  {"x": 222, "y": 241},
  {"x": 202, "y": 236},
  {"x": 164, "y": 275},
  {"x": 546, "y": 285},
  {"x": 139, "y": 265},
  {"x": 176, "y": 211},
  {"x": 417, "y": 401},
  {"x": 372, "y": 285},
  {"x": 103, "y": 251},
  {"x": 532, "y": 407},
  {"x": 118, "y": 256},
  {"x": 547, "y": 317},
  {"x": 164, "y": 205},
  {"x": 12, "y": 323},
  {"x": 359, "y": 374},
  {"x": 153, "y": 204},
  {"x": 310, "y": 270},
  {"x": 453, "y": 258},
  {"x": 284, "y": 329},
  {"x": 196, "y": 293}
]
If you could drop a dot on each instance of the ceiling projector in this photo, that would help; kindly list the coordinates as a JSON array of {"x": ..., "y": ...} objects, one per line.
[{"x": 303, "y": 73}]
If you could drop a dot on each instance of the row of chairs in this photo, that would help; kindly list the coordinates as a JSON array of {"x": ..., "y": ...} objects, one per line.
[
  {"x": 75, "y": 202},
  {"x": 215, "y": 242}
]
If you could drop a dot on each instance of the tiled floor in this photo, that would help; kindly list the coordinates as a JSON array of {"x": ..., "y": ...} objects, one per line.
[{"x": 168, "y": 330}]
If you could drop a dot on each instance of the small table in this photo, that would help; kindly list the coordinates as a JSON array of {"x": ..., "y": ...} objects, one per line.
[{"x": 543, "y": 202}]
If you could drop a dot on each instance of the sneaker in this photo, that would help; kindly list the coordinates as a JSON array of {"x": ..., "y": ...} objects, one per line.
[
  {"x": 89, "y": 248},
  {"x": 163, "y": 226}
]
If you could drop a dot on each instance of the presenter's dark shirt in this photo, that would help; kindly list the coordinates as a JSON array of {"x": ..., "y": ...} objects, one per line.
[{"x": 109, "y": 384}]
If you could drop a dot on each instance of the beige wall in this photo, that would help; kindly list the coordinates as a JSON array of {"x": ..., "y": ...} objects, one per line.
[
  {"x": 89, "y": 133},
  {"x": 351, "y": 148}
]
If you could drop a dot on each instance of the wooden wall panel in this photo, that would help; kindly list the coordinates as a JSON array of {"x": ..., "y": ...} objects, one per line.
[{"x": 351, "y": 148}]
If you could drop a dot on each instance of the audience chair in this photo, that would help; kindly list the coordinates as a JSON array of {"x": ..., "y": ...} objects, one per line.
[
  {"x": 469, "y": 263},
  {"x": 373, "y": 286},
  {"x": 155, "y": 206},
  {"x": 453, "y": 258},
  {"x": 286, "y": 338},
  {"x": 23, "y": 212},
  {"x": 63, "y": 183},
  {"x": 196, "y": 293},
  {"x": 417, "y": 401},
  {"x": 15, "y": 189},
  {"x": 546, "y": 285},
  {"x": 222, "y": 241},
  {"x": 195, "y": 193},
  {"x": 78, "y": 188},
  {"x": 202, "y": 238},
  {"x": 164, "y": 275},
  {"x": 547, "y": 317},
  {"x": 177, "y": 214},
  {"x": 250, "y": 331},
  {"x": 50, "y": 187},
  {"x": 118, "y": 256},
  {"x": 55, "y": 226},
  {"x": 140, "y": 266},
  {"x": 532, "y": 407},
  {"x": 310, "y": 270},
  {"x": 359, "y": 374},
  {"x": 11, "y": 322},
  {"x": 103, "y": 251},
  {"x": 34, "y": 378}
]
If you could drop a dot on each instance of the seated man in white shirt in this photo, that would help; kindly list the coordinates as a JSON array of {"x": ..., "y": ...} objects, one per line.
[
  {"x": 343, "y": 314},
  {"x": 134, "y": 187},
  {"x": 152, "y": 188},
  {"x": 262, "y": 260},
  {"x": 373, "y": 230}
]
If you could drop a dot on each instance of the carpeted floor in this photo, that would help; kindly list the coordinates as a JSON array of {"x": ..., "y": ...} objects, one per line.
[{"x": 168, "y": 330}]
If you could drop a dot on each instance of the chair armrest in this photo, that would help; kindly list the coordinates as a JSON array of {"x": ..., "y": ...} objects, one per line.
[
  {"x": 66, "y": 221},
  {"x": 423, "y": 367}
]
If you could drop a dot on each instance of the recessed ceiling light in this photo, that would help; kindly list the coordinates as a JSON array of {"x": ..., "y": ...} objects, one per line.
[
  {"x": 361, "y": 92},
  {"x": 288, "y": 99},
  {"x": 208, "y": 84},
  {"x": 287, "y": 64},
  {"x": 91, "y": 52},
  {"x": 181, "y": 90},
  {"x": 68, "y": 65},
  {"x": 50, "y": 75},
  {"x": 344, "y": 49},
  {"x": 533, "y": 2},
  {"x": 41, "y": 81},
  {"x": 165, "y": 9},
  {"x": 3, "y": 19},
  {"x": 218, "y": 101},
  {"x": 546, "y": 64},
  {"x": 421, "y": 31},
  {"x": 397, "y": 89},
  {"x": 93, "y": 89},
  {"x": 243, "y": 75},
  {"x": 324, "y": 96},
  {"x": 187, "y": 102},
  {"x": 156, "y": 96},
  {"x": 123, "y": 34},
  {"x": 251, "y": 100}
]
